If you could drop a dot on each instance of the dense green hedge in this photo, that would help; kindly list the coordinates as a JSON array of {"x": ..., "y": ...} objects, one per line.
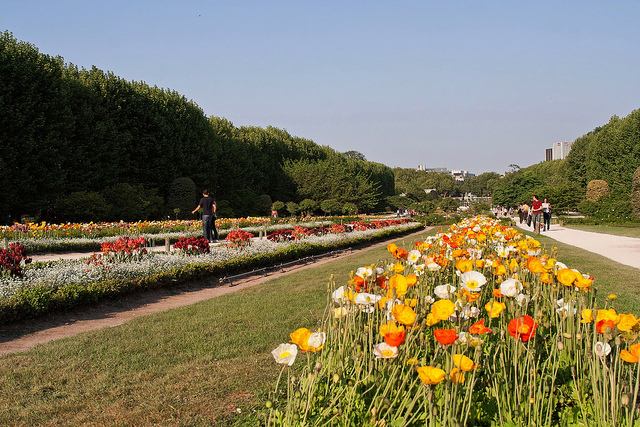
[
  {"x": 38, "y": 300},
  {"x": 84, "y": 144}
]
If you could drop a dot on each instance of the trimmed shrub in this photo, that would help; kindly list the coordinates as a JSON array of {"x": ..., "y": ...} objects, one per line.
[
  {"x": 330, "y": 206},
  {"x": 83, "y": 206},
  {"x": 635, "y": 193},
  {"x": 182, "y": 195},
  {"x": 132, "y": 202},
  {"x": 308, "y": 206},
  {"x": 597, "y": 189},
  {"x": 349, "y": 209},
  {"x": 292, "y": 208},
  {"x": 278, "y": 206}
]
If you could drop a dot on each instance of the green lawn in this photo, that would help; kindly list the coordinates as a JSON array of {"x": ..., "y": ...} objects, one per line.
[
  {"x": 618, "y": 230},
  {"x": 196, "y": 365},
  {"x": 200, "y": 364},
  {"x": 610, "y": 276}
]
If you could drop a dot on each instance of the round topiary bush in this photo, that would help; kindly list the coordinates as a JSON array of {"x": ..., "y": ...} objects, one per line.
[
  {"x": 597, "y": 189},
  {"x": 635, "y": 193}
]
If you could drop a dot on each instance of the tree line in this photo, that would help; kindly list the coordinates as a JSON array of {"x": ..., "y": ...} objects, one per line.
[
  {"x": 607, "y": 157},
  {"x": 82, "y": 144}
]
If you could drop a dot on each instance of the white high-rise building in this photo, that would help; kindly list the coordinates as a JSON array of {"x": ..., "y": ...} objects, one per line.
[{"x": 560, "y": 150}]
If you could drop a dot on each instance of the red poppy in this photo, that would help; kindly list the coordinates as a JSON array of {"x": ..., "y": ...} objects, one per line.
[
  {"x": 395, "y": 339},
  {"x": 359, "y": 283},
  {"x": 478, "y": 328},
  {"x": 523, "y": 328},
  {"x": 445, "y": 336},
  {"x": 605, "y": 326},
  {"x": 382, "y": 281}
]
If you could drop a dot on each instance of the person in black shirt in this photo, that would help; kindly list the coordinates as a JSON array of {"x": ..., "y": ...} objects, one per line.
[{"x": 208, "y": 206}]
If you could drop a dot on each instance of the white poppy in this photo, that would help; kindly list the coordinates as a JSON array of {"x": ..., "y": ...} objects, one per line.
[
  {"x": 316, "y": 340},
  {"x": 473, "y": 281},
  {"x": 444, "y": 291},
  {"x": 429, "y": 299},
  {"x": 510, "y": 287},
  {"x": 339, "y": 296},
  {"x": 522, "y": 299},
  {"x": 432, "y": 266},
  {"x": 413, "y": 256},
  {"x": 602, "y": 349},
  {"x": 385, "y": 351},
  {"x": 364, "y": 298},
  {"x": 364, "y": 272},
  {"x": 285, "y": 354}
]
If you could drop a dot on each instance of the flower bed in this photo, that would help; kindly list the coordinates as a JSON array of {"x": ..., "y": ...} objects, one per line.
[
  {"x": 58, "y": 285},
  {"x": 84, "y": 244},
  {"x": 476, "y": 326}
]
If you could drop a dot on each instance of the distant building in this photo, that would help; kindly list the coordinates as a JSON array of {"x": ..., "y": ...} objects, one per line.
[
  {"x": 548, "y": 154},
  {"x": 461, "y": 175},
  {"x": 458, "y": 175},
  {"x": 558, "y": 151},
  {"x": 439, "y": 170}
]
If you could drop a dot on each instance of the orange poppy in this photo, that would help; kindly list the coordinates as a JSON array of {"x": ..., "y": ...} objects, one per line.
[
  {"x": 445, "y": 336},
  {"x": 479, "y": 328},
  {"x": 522, "y": 328},
  {"x": 395, "y": 339},
  {"x": 605, "y": 326}
]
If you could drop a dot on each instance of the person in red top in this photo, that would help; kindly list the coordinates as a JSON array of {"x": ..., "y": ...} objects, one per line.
[{"x": 536, "y": 213}]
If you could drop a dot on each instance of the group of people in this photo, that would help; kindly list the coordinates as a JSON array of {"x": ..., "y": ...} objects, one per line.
[
  {"x": 209, "y": 208},
  {"x": 538, "y": 214}
]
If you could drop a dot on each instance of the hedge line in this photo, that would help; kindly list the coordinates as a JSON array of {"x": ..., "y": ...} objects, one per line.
[{"x": 39, "y": 300}]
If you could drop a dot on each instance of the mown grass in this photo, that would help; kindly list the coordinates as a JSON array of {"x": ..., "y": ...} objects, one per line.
[
  {"x": 611, "y": 277},
  {"x": 617, "y": 230},
  {"x": 197, "y": 365},
  {"x": 201, "y": 364}
]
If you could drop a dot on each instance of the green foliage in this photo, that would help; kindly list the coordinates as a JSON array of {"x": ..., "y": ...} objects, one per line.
[
  {"x": 415, "y": 184},
  {"x": 224, "y": 209},
  {"x": 635, "y": 193},
  {"x": 292, "y": 208},
  {"x": 481, "y": 185},
  {"x": 65, "y": 129},
  {"x": 331, "y": 206},
  {"x": 349, "y": 209},
  {"x": 546, "y": 179},
  {"x": 182, "y": 195},
  {"x": 83, "y": 206},
  {"x": 131, "y": 202},
  {"x": 608, "y": 209},
  {"x": 597, "y": 189},
  {"x": 448, "y": 205},
  {"x": 337, "y": 179},
  {"x": 263, "y": 204},
  {"x": 278, "y": 206},
  {"x": 308, "y": 206}
]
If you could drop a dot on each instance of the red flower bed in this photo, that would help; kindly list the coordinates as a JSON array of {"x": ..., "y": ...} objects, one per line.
[
  {"x": 193, "y": 245},
  {"x": 125, "y": 248},
  {"x": 11, "y": 259},
  {"x": 239, "y": 238},
  {"x": 281, "y": 235},
  {"x": 337, "y": 229}
]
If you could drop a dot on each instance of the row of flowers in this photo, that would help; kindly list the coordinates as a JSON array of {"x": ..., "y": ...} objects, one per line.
[
  {"x": 476, "y": 326},
  {"x": 127, "y": 265},
  {"x": 85, "y": 244},
  {"x": 44, "y": 230}
]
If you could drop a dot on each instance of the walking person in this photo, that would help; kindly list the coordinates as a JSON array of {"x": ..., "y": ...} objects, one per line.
[
  {"x": 546, "y": 214},
  {"x": 526, "y": 214},
  {"x": 536, "y": 213},
  {"x": 208, "y": 206}
]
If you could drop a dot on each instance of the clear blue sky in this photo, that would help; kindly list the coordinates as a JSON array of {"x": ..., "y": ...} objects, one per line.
[{"x": 474, "y": 84}]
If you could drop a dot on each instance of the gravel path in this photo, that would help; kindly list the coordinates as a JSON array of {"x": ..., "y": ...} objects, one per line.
[{"x": 625, "y": 250}]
